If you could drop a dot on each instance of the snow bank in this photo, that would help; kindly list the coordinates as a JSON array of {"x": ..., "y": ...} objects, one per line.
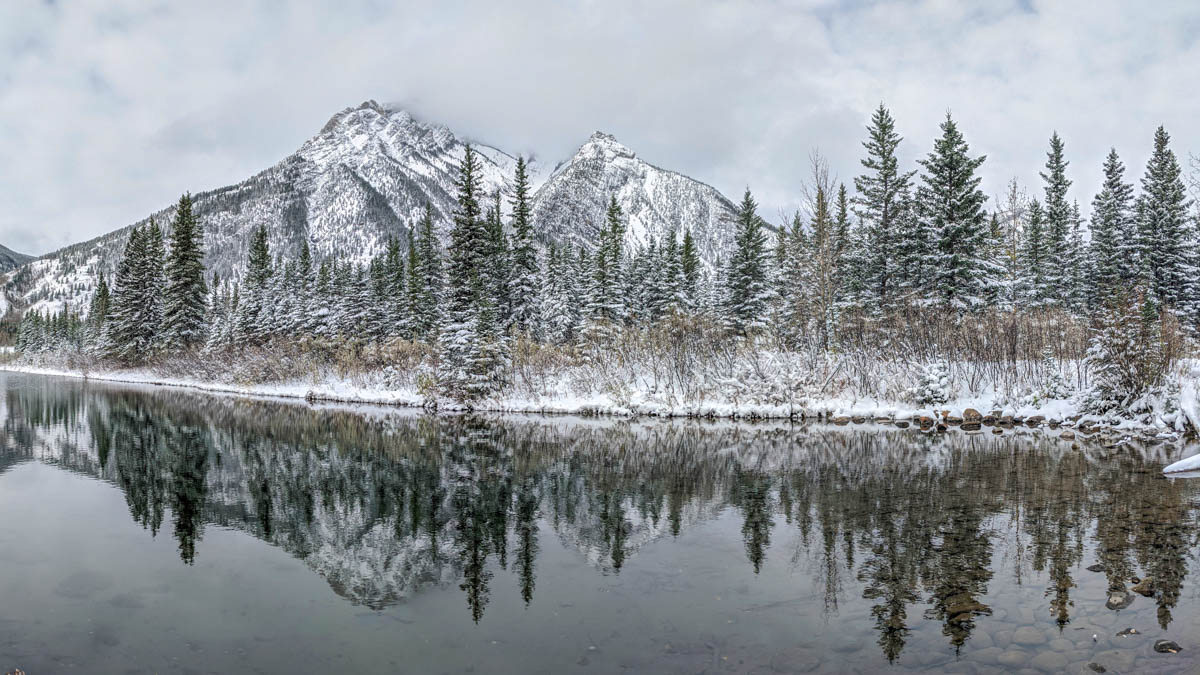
[
  {"x": 565, "y": 395},
  {"x": 1189, "y": 464}
]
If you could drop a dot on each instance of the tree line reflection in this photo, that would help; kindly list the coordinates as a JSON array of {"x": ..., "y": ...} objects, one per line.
[{"x": 383, "y": 505}]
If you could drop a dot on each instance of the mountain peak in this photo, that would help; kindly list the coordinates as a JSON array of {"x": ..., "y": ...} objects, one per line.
[{"x": 600, "y": 143}]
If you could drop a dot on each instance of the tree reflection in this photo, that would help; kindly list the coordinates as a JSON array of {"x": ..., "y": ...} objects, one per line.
[{"x": 383, "y": 506}]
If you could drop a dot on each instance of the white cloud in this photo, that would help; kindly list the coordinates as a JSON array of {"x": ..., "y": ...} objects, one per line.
[{"x": 109, "y": 109}]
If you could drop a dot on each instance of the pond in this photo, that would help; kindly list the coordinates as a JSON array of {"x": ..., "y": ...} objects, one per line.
[{"x": 163, "y": 530}]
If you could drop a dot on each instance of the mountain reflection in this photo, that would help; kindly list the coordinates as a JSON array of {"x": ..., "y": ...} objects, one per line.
[{"x": 384, "y": 504}]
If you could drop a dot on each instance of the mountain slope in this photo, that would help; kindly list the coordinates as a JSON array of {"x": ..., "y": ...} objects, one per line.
[
  {"x": 10, "y": 259},
  {"x": 367, "y": 176},
  {"x": 570, "y": 206}
]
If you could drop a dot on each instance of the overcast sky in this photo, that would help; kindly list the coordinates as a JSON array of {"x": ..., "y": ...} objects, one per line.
[{"x": 109, "y": 109}]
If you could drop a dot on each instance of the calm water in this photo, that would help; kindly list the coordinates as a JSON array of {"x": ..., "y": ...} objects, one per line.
[{"x": 165, "y": 531}]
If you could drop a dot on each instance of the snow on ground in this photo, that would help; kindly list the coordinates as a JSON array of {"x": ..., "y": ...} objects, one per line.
[{"x": 561, "y": 396}]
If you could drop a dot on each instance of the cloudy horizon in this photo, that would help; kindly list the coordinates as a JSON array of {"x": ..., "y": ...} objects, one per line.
[{"x": 112, "y": 109}]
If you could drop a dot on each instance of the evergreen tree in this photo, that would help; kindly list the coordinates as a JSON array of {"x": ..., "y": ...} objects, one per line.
[
  {"x": 1113, "y": 246},
  {"x": 471, "y": 353},
  {"x": 1034, "y": 258},
  {"x": 251, "y": 314},
  {"x": 1164, "y": 229},
  {"x": 689, "y": 263},
  {"x": 879, "y": 203},
  {"x": 605, "y": 306},
  {"x": 952, "y": 205},
  {"x": 1058, "y": 225},
  {"x": 184, "y": 321},
  {"x": 98, "y": 311},
  {"x": 154, "y": 275},
  {"x": 524, "y": 286},
  {"x": 427, "y": 315},
  {"x": 747, "y": 290},
  {"x": 135, "y": 315},
  {"x": 414, "y": 292}
]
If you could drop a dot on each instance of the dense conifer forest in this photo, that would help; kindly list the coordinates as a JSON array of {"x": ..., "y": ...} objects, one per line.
[{"x": 905, "y": 284}]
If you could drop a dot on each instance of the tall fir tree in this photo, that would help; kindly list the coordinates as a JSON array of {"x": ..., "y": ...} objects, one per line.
[
  {"x": 1058, "y": 225},
  {"x": 427, "y": 312},
  {"x": 185, "y": 298},
  {"x": 879, "y": 204},
  {"x": 1165, "y": 232},
  {"x": 524, "y": 284},
  {"x": 605, "y": 300},
  {"x": 689, "y": 263},
  {"x": 471, "y": 348},
  {"x": 1034, "y": 258},
  {"x": 952, "y": 205},
  {"x": 252, "y": 307},
  {"x": 747, "y": 289},
  {"x": 1114, "y": 237}
]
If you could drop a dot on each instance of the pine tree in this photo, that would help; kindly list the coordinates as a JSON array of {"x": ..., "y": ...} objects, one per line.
[
  {"x": 249, "y": 324},
  {"x": 98, "y": 311},
  {"x": 154, "y": 284},
  {"x": 952, "y": 205},
  {"x": 1113, "y": 246},
  {"x": 427, "y": 313},
  {"x": 524, "y": 285},
  {"x": 185, "y": 300},
  {"x": 135, "y": 314},
  {"x": 879, "y": 204},
  {"x": 472, "y": 357},
  {"x": 1057, "y": 227},
  {"x": 1034, "y": 258},
  {"x": 1164, "y": 229},
  {"x": 414, "y": 292},
  {"x": 747, "y": 290},
  {"x": 689, "y": 263}
]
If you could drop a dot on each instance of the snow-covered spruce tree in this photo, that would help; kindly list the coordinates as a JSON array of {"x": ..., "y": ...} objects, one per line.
[
  {"x": 1057, "y": 226},
  {"x": 556, "y": 317},
  {"x": 689, "y": 263},
  {"x": 470, "y": 359},
  {"x": 952, "y": 205},
  {"x": 1114, "y": 237},
  {"x": 248, "y": 324},
  {"x": 427, "y": 312},
  {"x": 1127, "y": 351},
  {"x": 185, "y": 302},
  {"x": 1034, "y": 259},
  {"x": 391, "y": 292},
  {"x": 98, "y": 311},
  {"x": 605, "y": 302},
  {"x": 880, "y": 190},
  {"x": 933, "y": 385},
  {"x": 524, "y": 284},
  {"x": 1164, "y": 230},
  {"x": 414, "y": 291},
  {"x": 916, "y": 252},
  {"x": 219, "y": 316},
  {"x": 746, "y": 284},
  {"x": 499, "y": 270},
  {"x": 136, "y": 317}
]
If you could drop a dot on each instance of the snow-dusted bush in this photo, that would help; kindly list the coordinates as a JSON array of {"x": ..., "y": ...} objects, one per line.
[
  {"x": 1132, "y": 349},
  {"x": 1054, "y": 386},
  {"x": 933, "y": 386}
]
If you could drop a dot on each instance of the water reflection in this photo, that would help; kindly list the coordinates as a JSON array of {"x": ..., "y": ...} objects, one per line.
[{"x": 383, "y": 505}]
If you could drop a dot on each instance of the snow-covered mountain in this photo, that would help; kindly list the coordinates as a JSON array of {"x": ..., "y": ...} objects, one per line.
[
  {"x": 367, "y": 176},
  {"x": 10, "y": 259},
  {"x": 570, "y": 206}
]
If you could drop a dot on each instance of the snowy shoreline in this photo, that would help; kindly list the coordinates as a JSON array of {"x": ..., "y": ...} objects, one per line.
[{"x": 1059, "y": 418}]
